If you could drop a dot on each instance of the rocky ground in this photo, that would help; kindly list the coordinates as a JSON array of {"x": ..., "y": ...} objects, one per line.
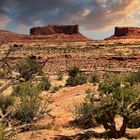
[
  {"x": 62, "y": 128},
  {"x": 105, "y": 56}
]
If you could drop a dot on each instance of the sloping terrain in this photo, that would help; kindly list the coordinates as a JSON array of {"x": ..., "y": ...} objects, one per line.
[
  {"x": 125, "y": 33},
  {"x": 50, "y": 33},
  {"x": 62, "y": 128},
  {"x": 104, "y": 56}
]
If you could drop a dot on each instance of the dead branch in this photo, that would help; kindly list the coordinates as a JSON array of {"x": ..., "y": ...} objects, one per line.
[{"x": 14, "y": 80}]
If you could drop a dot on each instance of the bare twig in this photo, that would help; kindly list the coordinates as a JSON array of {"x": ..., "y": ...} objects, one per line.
[{"x": 14, "y": 80}]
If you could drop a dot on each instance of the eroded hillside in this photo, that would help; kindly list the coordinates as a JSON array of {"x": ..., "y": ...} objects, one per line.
[{"x": 103, "y": 56}]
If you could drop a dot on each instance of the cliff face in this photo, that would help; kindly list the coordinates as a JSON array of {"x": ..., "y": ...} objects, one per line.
[
  {"x": 50, "y": 33},
  {"x": 126, "y": 32},
  {"x": 55, "y": 29}
]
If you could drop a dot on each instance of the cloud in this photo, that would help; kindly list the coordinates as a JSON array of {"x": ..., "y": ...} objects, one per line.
[
  {"x": 110, "y": 13},
  {"x": 4, "y": 21},
  {"x": 85, "y": 12},
  {"x": 90, "y": 14},
  {"x": 21, "y": 27}
]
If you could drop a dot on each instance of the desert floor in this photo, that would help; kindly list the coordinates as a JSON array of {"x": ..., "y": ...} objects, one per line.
[{"x": 61, "y": 127}]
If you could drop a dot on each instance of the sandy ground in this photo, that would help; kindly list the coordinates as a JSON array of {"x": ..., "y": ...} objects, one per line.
[
  {"x": 61, "y": 128},
  {"x": 62, "y": 109}
]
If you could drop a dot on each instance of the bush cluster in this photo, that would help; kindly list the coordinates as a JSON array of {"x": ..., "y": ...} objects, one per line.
[
  {"x": 84, "y": 112},
  {"x": 59, "y": 76},
  {"x": 25, "y": 104},
  {"x": 29, "y": 103},
  {"x": 6, "y": 102},
  {"x": 28, "y": 68},
  {"x": 75, "y": 77},
  {"x": 117, "y": 98},
  {"x": 95, "y": 78},
  {"x": 2, "y": 135},
  {"x": 2, "y": 74},
  {"x": 133, "y": 78},
  {"x": 45, "y": 83}
]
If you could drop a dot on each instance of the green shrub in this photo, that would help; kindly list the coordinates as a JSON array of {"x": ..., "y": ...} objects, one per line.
[
  {"x": 55, "y": 89},
  {"x": 75, "y": 77},
  {"x": 110, "y": 84},
  {"x": 6, "y": 102},
  {"x": 133, "y": 78},
  {"x": 73, "y": 72},
  {"x": 25, "y": 89},
  {"x": 19, "y": 89},
  {"x": 28, "y": 68},
  {"x": 81, "y": 79},
  {"x": 88, "y": 91},
  {"x": 116, "y": 99},
  {"x": 84, "y": 113},
  {"x": 41, "y": 73},
  {"x": 2, "y": 135},
  {"x": 45, "y": 84},
  {"x": 59, "y": 76},
  {"x": 2, "y": 74},
  {"x": 27, "y": 109},
  {"x": 78, "y": 80},
  {"x": 29, "y": 104},
  {"x": 133, "y": 122},
  {"x": 94, "y": 79}
]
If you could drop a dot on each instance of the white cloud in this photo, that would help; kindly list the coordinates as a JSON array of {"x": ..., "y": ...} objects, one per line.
[
  {"x": 90, "y": 14},
  {"x": 4, "y": 21},
  {"x": 85, "y": 12},
  {"x": 115, "y": 13}
]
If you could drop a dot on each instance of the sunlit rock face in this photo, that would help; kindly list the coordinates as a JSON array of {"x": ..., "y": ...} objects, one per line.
[
  {"x": 50, "y": 33},
  {"x": 126, "y": 33},
  {"x": 55, "y": 29}
]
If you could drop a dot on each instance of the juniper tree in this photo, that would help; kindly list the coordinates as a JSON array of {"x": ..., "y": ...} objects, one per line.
[{"x": 117, "y": 98}]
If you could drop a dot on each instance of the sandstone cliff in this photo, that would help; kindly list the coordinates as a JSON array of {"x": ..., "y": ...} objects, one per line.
[
  {"x": 55, "y": 29},
  {"x": 50, "y": 33},
  {"x": 126, "y": 33}
]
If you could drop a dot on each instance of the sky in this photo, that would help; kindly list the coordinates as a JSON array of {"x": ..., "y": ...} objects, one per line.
[{"x": 96, "y": 18}]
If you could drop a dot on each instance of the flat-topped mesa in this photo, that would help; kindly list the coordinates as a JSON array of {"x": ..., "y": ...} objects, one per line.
[
  {"x": 50, "y": 33},
  {"x": 126, "y": 33},
  {"x": 55, "y": 29}
]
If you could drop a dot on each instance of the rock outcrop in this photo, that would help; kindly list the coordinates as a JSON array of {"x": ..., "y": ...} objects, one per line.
[
  {"x": 126, "y": 33},
  {"x": 55, "y": 29},
  {"x": 50, "y": 33},
  {"x": 4, "y": 32}
]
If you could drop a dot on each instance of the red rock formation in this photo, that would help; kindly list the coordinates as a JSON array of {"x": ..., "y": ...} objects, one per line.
[
  {"x": 126, "y": 33},
  {"x": 50, "y": 33},
  {"x": 55, "y": 29},
  {"x": 3, "y": 32}
]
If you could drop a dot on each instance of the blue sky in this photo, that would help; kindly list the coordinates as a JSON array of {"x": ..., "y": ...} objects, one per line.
[{"x": 96, "y": 18}]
